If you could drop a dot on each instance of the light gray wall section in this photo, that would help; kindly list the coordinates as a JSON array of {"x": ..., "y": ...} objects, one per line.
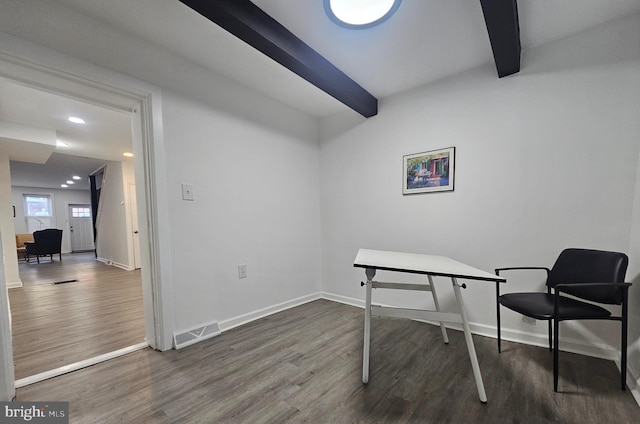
[
  {"x": 545, "y": 159},
  {"x": 256, "y": 203},
  {"x": 7, "y": 235}
]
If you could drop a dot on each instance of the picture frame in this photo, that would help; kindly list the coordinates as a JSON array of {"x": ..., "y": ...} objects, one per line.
[{"x": 427, "y": 172}]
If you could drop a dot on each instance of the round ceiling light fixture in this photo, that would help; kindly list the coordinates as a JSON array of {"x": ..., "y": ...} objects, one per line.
[{"x": 360, "y": 13}]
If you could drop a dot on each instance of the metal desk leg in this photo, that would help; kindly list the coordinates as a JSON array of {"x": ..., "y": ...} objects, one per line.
[
  {"x": 367, "y": 326},
  {"x": 435, "y": 302},
  {"x": 467, "y": 336}
]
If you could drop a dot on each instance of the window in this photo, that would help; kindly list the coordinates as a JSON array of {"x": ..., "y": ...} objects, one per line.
[
  {"x": 37, "y": 205},
  {"x": 80, "y": 212},
  {"x": 38, "y": 211}
]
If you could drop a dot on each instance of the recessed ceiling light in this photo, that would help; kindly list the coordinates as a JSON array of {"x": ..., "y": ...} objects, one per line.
[
  {"x": 76, "y": 177},
  {"x": 63, "y": 185},
  {"x": 60, "y": 143},
  {"x": 360, "y": 13},
  {"x": 76, "y": 120},
  {"x": 127, "y": 154},
  {"x": 70, "y": 182}
]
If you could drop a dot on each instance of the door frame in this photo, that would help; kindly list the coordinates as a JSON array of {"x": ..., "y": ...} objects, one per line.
[{"x": 44, "y": 69}]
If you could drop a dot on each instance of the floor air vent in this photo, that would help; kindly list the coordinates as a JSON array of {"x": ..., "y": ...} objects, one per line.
[{"x": 189, "y": 337}]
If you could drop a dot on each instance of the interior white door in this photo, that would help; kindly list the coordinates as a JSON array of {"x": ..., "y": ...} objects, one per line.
[{"x": 80, "y": 227}]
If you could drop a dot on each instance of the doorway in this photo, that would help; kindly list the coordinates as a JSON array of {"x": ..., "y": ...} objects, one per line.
[
  {"x": 77, "y": 307},
  {"x": 23, "y": 66},
  {"x": 80, "y": 228}
]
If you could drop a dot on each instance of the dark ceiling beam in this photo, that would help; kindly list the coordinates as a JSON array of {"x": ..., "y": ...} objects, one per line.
[
  {"x": 249, "y": 23},
  {"x": 501, "y": 17}
]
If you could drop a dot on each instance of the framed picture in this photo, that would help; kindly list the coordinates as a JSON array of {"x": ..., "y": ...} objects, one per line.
[{"x": 427, "y": 172}]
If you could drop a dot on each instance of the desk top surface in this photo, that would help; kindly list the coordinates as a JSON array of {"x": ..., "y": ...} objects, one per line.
[{"x": 420, "y": 264}]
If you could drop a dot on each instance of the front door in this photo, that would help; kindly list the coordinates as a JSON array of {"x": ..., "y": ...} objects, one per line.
[{"x": 80, "y": 227}]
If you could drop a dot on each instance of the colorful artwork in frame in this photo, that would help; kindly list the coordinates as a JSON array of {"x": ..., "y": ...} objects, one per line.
[{"x": 427, "y": 172}]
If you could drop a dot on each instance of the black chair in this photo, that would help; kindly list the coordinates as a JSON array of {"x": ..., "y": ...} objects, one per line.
[
  {"x": 592, "y": 275},
  {"x": 45, "y": 243}
]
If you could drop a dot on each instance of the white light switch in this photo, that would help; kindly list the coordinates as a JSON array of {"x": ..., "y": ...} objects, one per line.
[
  {"x": 187, "y": 191},
  {"x": 242, "y": 271}
]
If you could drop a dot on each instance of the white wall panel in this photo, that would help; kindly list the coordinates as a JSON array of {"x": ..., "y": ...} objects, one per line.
[{"x": 545, "y": 159}]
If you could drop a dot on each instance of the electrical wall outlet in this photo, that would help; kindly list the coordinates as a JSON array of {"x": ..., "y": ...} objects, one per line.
[
  {"x": 242, "y": 271},
  {"x": 528, "y": 320}
]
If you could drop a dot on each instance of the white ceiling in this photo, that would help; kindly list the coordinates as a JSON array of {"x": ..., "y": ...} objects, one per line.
[
  {"x": 105, "y": 135},
  {"x": 426, "y": 40}
]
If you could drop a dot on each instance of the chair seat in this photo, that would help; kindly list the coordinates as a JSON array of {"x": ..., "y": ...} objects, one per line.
[{"x": 540, "y": 306}]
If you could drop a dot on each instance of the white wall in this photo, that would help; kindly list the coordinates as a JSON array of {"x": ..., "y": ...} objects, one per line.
[
  {"x": 112, "y": 239},
  {"x": 7, "y": 234},
  {"x": 633, "y": 276},
  {"x": 61, "y": 200},
  {"x": 256, "y": 203},
  {"x": 545, "y": 159}
]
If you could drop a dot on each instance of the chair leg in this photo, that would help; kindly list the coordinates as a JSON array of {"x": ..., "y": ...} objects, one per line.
[
  {"x": 498, "y": 317},
  {"x": 623, "y": 348},
  {"x": 556, "y": 345},
  {"x": 550, "y": 336}
]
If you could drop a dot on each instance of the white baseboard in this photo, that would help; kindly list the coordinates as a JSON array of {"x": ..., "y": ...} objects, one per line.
[
  {"x": 14, "y": 285},
  {"x": 240, "y": 320},
  {"x": 116, "y": 264},
  {"x": 228, "y": 324},
  {"x": 343, "y": 299}
]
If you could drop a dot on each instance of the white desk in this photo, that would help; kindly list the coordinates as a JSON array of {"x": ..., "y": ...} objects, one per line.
[{"x": 373, "y": 260}]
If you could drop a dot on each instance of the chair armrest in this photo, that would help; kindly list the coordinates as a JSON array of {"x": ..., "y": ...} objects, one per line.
[
  {"x": 558, "y": 289},
  {"x": 516, "y": 268}
]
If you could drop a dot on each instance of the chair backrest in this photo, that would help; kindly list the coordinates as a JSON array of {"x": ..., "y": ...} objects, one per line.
[
  {"x": 48, "y": 241},
  {"x": 590, "y": 266}
]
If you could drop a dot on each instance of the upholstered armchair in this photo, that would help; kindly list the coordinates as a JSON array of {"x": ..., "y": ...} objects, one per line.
[{"x": 46, "y": 243}]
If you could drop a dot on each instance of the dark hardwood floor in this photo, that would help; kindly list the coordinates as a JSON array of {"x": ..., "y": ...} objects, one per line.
[
  {"x": 303, "y": 365},
  {"x": 58, "y": 324}
]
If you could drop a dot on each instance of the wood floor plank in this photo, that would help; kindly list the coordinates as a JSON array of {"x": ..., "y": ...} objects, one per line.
[
  {"x": 303, "y": 365},
  {"x": 59, "y": 324}
]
